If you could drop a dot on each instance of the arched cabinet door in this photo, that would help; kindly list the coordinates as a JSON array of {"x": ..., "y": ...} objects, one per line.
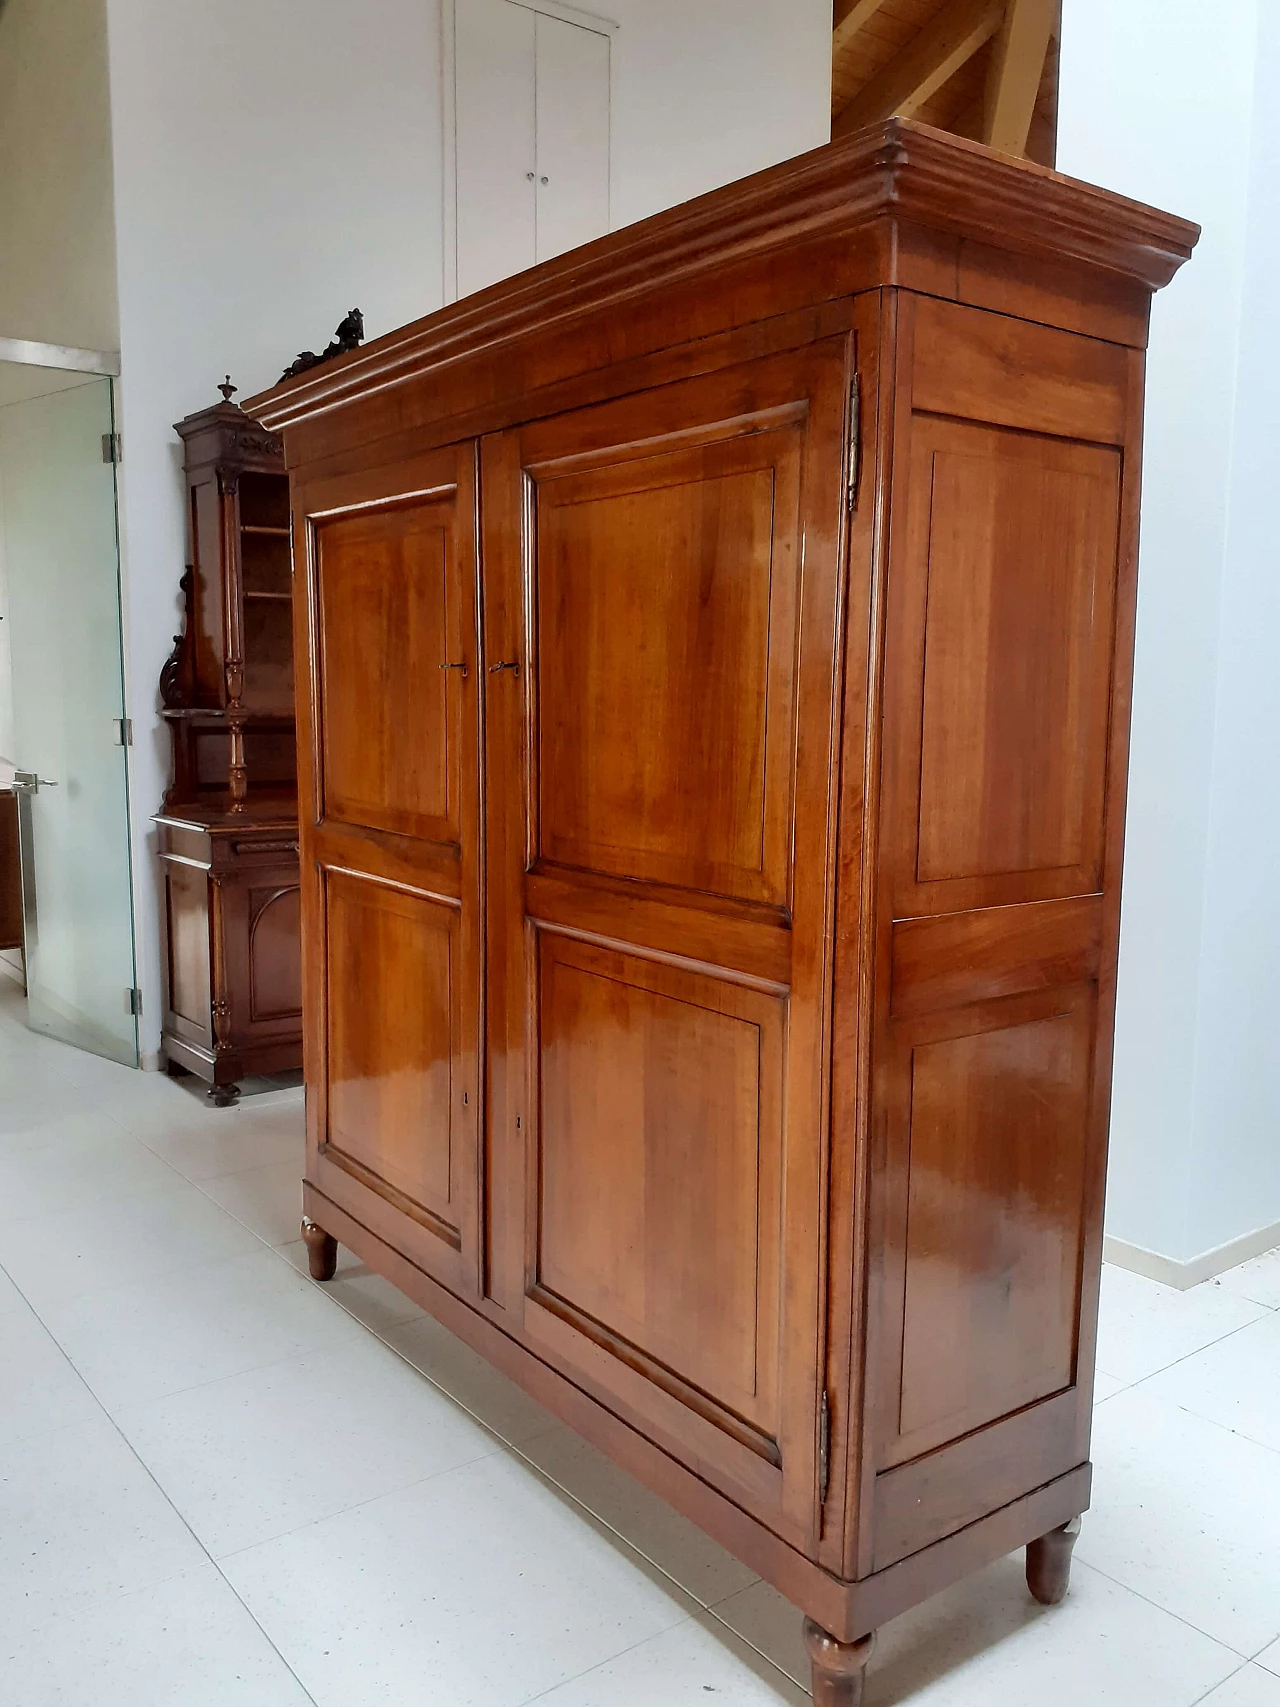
[
  {"x": 389, "y": 802},
  {"x": 663, "y": 579},
  {"x": 275, "y": 984}
]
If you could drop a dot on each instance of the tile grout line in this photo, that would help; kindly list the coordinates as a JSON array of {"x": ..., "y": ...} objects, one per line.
[
  {"x": 514, "y": 1448},
  {"x": 1189, "y": 1410},
  {"x": 517, "y": 1451},
  {"x": 1221, "y": 1683},
  {"x": 501, "y": 1445},
  {"x": 511, "y": 1446},
  {"x": 151, "y": 1477},
  {"x": 222, "y": 1576},
  {"x": 1208, "y": 1345},
  {"x": 499, "y": 1442},
  {"x": 633, "y": 1647},
  {"x": 747, "y": 1642},
  {"x": 1168, "y": 1612},
  {"x": 544, "y": 1476}
]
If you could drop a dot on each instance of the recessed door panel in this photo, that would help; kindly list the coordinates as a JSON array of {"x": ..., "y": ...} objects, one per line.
[
  {"x": 1009, "y": 739},
  {"x": 190, "y": 975},
  {"x": 1000, "y": 665},
  {"x": 666, "y": 599},
  {"x": 995, "y": 1196},
  {"x": 275, "y": 981},
  {"x": 386, "y": 631},
  {"x": 392, "y": 1036},
  {"x": 660, "y": 1183}
]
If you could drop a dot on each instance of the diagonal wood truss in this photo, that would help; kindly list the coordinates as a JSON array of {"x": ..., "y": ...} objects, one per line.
[{"x": 986, "y": 69}]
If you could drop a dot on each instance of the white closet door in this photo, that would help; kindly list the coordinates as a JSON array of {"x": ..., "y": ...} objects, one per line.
[
  {"x": 494, "y": 60},
  {"x": 572, "y": 135}
]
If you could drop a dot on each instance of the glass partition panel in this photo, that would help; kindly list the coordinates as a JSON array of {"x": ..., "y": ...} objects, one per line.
[{"x": 61, "y": 563}]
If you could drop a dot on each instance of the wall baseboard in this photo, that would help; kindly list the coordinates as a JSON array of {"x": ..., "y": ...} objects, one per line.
[{"x": 1183, "y": 1275}]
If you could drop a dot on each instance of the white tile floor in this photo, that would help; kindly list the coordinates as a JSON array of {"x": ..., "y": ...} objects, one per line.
[{"x": 222, "y": 1486}]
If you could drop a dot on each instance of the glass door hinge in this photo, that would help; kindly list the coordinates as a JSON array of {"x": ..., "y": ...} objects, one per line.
[
  {"x": 133, "y": 1000},
  {"x": 112, "y": 447},
  {"x": 124, "y": 731}
]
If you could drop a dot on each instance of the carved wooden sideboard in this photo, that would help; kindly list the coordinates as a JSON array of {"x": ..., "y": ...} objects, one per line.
[
  {"x": 714, "y": 675},
  {"x": 228, "y": 829}
]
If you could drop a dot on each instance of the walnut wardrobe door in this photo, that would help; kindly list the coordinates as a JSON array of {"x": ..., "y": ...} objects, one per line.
[
  {"x": 390, "y": 845},
  {"x": 662, "y": 583}
]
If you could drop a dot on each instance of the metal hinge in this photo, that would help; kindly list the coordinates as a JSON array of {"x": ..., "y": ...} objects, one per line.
[
  {"x": 112, "y": 447},
  {"x": 855, "y": 439},
  {"x": 824, "y": 1448},
  {"x": 133, "y": 1000},
  {"x": 124, "y": 731}
]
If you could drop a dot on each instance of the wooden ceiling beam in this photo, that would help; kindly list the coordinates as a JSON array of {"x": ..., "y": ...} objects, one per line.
[
  {"x": 950, "y": 38},
  {"x": 848, "y": 19},
  {"x": 1013, "y": 81}
]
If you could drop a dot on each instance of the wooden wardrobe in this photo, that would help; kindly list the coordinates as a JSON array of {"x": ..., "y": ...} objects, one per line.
[{"x": 714, "y": 652}]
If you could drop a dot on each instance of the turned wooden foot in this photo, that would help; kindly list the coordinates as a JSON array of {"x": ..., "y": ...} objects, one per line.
[
  {"x": 322, "y": 1250},
  {"x": 223, "y": 1096},
  {"x": 838, "y": 1667},
  {"x": 1049, "y": 1563}
]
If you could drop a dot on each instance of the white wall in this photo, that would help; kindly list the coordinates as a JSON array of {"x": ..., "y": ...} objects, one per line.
[
  {"x": 706, "y": 91},
  {"x": 1194, "y": 1155},
  {"x": 702, "y": 92},
  {"x": 57, "y": 272},
  {"x": 1235, "y": 1155},
  {"x": 278, "y": 162}
]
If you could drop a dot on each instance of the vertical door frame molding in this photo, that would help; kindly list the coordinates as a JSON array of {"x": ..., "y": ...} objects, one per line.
[{"x": 593, "y": 21}]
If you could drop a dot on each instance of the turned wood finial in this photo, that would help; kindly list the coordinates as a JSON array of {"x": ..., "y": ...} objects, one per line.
[{"x": 838, "y": 1667}]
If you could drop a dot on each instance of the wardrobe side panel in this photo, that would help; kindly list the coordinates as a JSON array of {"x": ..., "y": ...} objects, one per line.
[{"x": 1007, "y": 561}]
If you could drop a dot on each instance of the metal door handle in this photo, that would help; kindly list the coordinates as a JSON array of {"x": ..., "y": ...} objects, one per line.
[
  {"x": 30, "y": 781},
  {"x": 507, "y": 664}
]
